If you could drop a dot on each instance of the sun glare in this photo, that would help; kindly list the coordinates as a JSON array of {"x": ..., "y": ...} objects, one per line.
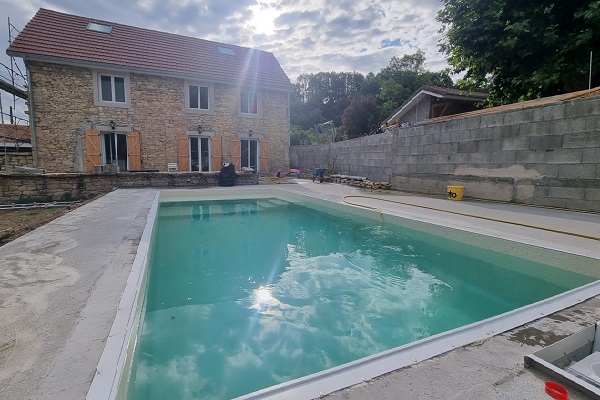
[{"x": 263, "y": 18}]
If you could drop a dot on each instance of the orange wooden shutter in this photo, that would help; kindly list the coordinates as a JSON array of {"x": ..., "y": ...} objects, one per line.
[
  {"x": 216, "y": 152},
  {"x": 183, "y": 155},
  {"x": 92, "y": 150},
  {"x": 134, "y": 152},
  {"x": 236, "y": 153},
  {"x": 264, "y": 157}
]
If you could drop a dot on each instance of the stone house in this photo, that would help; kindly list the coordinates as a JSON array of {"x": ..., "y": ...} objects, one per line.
[
  {"x": 103, "y": 93},
  {"x": 430, "y": 102}
]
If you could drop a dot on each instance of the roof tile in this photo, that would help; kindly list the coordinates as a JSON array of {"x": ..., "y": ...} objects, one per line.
[{"x": 63, "y": 36}]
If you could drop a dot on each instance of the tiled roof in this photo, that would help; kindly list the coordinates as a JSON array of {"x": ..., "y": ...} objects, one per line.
[{"x": 58, "y": 36}]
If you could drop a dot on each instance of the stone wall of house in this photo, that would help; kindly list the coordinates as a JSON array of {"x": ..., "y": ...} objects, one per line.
[
  {"x": 57, "y": 187},
  {"x": 13, "y": 160},
  {"x": 545, "y": 155},
  {"x": 64, "y": 110}
]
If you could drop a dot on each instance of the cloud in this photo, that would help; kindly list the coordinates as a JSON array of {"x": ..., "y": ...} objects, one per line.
[{"x": 306, "y": 36}]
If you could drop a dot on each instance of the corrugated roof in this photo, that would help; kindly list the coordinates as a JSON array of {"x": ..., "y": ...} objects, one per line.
[{"x": 54, "y": 35}]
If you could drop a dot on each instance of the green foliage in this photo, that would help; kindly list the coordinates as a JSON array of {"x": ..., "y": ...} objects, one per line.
[
  {"x": 358, "y": 118},
  {"x": 520, "y": 50},
  {"x": 300, "y": 136},
  {"x": 358, "y": 103},
  {"x": 43, "y": 198}
]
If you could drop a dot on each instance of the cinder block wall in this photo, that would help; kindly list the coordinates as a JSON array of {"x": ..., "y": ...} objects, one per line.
[{"x": 545, "y": 155}]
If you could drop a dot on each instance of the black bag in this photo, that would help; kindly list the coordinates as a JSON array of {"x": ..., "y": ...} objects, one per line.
[{"x": 227, "y": 175}]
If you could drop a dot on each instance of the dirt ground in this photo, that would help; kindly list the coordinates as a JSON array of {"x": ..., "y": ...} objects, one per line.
[{"x": 17, "y": 222}]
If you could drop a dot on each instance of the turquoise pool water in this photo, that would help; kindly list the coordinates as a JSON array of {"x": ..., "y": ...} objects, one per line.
[{"x": 246, "y": 294}]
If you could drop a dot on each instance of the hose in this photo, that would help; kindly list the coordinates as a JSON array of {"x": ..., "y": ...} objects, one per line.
[{"x": 581, "y": 235}]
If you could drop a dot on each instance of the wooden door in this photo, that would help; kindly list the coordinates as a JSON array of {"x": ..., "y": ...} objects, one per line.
[
  {"x": 183, "y": 152},
  {"x": 264, "y": 157},
  {"x": 134, "y": 152},
  {"x": 216, "y": 153},
  {"x": 236, "y": 153},
  {"x": 92, "y": 150}
]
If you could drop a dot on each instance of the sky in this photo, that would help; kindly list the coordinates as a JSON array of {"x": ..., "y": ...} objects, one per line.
[{"x": 306, "y": 36}]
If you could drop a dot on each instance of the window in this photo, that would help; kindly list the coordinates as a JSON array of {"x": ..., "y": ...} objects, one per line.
[
  {"x": 198, "y": 97},
  {"x": 199, "y": 153},
  {"x": 111, "y": 89},
  {"x": 249, "y": 153},
  {"x": 226, "y": 50},
  {"x": 93, "y": 26},
  {"x": 114, "y": 149},
  {"x": 249, "y": 102}
]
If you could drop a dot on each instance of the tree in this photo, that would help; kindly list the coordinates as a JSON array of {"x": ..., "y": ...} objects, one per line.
[
  {"x": 360, "y": 117},
  {"x": 518, "y": 49}
]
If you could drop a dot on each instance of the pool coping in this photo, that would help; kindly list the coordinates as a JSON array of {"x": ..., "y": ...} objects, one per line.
[{"x": 112, "y": 362}]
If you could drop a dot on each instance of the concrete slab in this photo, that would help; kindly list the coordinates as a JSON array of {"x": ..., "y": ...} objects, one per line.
[{"x": 60, "y": 286}]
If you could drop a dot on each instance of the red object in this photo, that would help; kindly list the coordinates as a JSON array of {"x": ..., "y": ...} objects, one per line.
[{"x": 557, "y": 391}]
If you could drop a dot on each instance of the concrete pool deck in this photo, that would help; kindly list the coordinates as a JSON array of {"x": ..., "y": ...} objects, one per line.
[{"x": 60, "y": 287}]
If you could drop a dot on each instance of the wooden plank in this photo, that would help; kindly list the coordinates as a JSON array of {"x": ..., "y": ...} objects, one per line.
[
  {"x": 236, "y": 153},
  {"x": 134, "y": 151},
  {"x": 92, "y": 150},
  {"x": 216, "y": 152},
  {"x": 183, "y": 154},
  {"x": 264, "y": 157}
]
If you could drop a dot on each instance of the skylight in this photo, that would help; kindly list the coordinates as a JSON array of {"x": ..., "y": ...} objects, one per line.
[
  {"x": 226, "y": 50},
  {"x": 93, "y": 26}
]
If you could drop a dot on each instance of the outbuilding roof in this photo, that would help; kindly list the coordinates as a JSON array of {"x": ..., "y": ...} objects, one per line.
[{"x": 72, "y": 39}]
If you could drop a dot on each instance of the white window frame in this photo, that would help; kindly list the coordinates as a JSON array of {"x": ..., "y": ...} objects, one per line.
[
  {"x": 258, "y": 103},
  {"x": 96, "y": 76},
  {"x": 211, "y": 97},
  {"x": 203, "y": 135}
]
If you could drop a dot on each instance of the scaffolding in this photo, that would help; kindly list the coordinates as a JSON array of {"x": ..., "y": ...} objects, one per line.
[
  {"x": 15, "y": 131},
  {"x": 326, "y": 132}
]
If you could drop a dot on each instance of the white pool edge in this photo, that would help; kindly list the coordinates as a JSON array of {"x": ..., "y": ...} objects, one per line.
[
  {"x": 105, "y": 385},
  {"x": 112, "y": 361}
]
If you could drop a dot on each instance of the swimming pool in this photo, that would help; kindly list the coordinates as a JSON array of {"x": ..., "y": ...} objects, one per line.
[{"x": 300, "y": 265}]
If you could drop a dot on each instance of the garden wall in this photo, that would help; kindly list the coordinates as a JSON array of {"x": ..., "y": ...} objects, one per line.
[
  {"x": 56, "y": 187},
  {"x": 537, "y": 154}
]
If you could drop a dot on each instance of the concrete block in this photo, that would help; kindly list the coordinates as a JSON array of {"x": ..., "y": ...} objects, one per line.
[
  {"x": 492, "y": 120},
  {"x": 449, "y": 147},
  {"x": 591, "y": 194},
  {"x": 549, "y": 112},
  {"x": 446, "y": 137},
  {"x": 518, "y": 116},
  {"x": 489, "y": 145},
  {"x": 546, "y": 142},
  {"x": 459, "y": 158},
  {"x": 469, "y": 123},
  {"x": 550, "y": 201},
  {"x": 524, "y": 193},
  {"x": 577, "y": 171},
  {"x": 582, "y": 107},
  {"x": 518, "y": 143},
  {"x": 547, "y": 170},
  {"x": 506, "y": 131},
  {"x": 488, "y": 190},
  {"x": 569, "y": 125},
  {"x": 461, "y": 136},
  {"x": 582, "y": 139},
  {"x": 480, "y": 158},
  {"x": 482, "y": 134},
  {"x": 426, "y": 139},
  {"x": 583, "y": 205},
  {"x": 591, "y": 156},
  {"x": 416, "y": 150},
  {"x": 504, "y": 157},
  {"x": 564, "y": 156},
  {"x": 540, "y": 191},
  {"x": 436, "y": 148},
  {"x": 566, "y": 192},
  {"x": 538, "y": 128},
  {"x": 530, "y": 157},
  {"x": 441, "y": 158},
  {"x": 592, "y": 124},
  {"x": 467, "y": 147},
  {"x": 436, "y": 138}
]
